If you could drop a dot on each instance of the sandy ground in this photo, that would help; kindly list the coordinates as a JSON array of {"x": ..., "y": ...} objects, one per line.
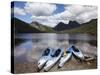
[{"x": 26, "y": 67}]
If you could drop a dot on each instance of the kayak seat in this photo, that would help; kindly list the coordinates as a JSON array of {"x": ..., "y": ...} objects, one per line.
[
  {"x": 57, "y": 52},
  {"x": 75, "y": 49},
  {"x": 46, "y": 52},
  {"x": 67, "y": 51}
]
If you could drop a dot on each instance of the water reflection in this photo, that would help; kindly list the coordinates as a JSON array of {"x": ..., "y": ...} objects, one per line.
[
  {"x": 36, "y": 44},
  {"x": 56, "y": 36}
]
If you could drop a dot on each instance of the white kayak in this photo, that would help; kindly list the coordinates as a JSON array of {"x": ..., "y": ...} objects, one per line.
[
  {"x": 45, "y": 57},
  {"x": 77, "y": 53},
  {"x": 66, "y": 56},
  {"x": 55, "y": 57}
]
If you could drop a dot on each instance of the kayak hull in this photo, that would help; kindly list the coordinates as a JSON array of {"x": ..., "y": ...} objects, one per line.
[
  {"x": 64, "y": 59},
  {"x": 41, "y": 63},
  {"x": 79, "y": 55},
  {"x": 50, "y": 63}
]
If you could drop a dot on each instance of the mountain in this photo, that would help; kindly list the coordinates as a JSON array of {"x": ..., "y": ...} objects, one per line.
[
  {"x": 41, "y": 27},
  {"x": 20, "y": 26},
  {"x": 89, "y": 27},
  {"x": 61, "y": 26}
]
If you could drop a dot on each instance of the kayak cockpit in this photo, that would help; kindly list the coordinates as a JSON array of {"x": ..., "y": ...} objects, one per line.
[{"x": 56, "y": 53}]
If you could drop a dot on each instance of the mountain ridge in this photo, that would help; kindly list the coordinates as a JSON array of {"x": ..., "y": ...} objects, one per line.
[
  {"x": 20, "y": 26},
  {"x": 89, "y": 27},
  {"x": 62, "y": 26},
  {"x": 41, "y": 27}
]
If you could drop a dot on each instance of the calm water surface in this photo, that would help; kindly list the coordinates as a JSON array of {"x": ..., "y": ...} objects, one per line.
[{"x": 35, "y": 44}]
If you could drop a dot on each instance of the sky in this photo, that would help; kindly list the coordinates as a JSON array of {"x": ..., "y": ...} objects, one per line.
[{"x": 50, "y": 14}]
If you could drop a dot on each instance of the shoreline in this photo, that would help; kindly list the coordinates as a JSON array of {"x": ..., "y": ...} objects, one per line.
[{"x": 71, "y": 65}]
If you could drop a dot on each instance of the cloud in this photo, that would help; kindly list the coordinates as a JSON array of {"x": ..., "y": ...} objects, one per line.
[
  {"x": 49, "y": 20},
  {"x": 79, "y": 13},
  {"x": 19, "y": 11},
  {"x": 86, "y": 16},
  {"x": 82, "y": 13},
  {"x": 44, "y": 13},
  {"x": 40, "y": 9}
]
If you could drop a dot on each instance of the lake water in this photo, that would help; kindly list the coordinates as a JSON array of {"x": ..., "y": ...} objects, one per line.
[{"x": 34, "y": 44}]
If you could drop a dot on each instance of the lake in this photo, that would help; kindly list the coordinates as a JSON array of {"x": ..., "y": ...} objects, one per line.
[{"x": 29, "y": 47}]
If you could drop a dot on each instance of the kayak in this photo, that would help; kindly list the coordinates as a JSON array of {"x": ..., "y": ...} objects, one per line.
[
  {"x": 54, "y": 58},
  {"x": 77, "y": 53},
  {"x": 45, "y": 57},
  {"x": 65, "y": 57}
]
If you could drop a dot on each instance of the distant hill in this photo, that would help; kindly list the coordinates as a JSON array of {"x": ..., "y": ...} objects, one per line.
[
  {"x": 62, "y": 26},
  {"x": 20, "y": 26},
  {"x": 41, "y": 27},
  {"x": 90, "y": 27}
]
